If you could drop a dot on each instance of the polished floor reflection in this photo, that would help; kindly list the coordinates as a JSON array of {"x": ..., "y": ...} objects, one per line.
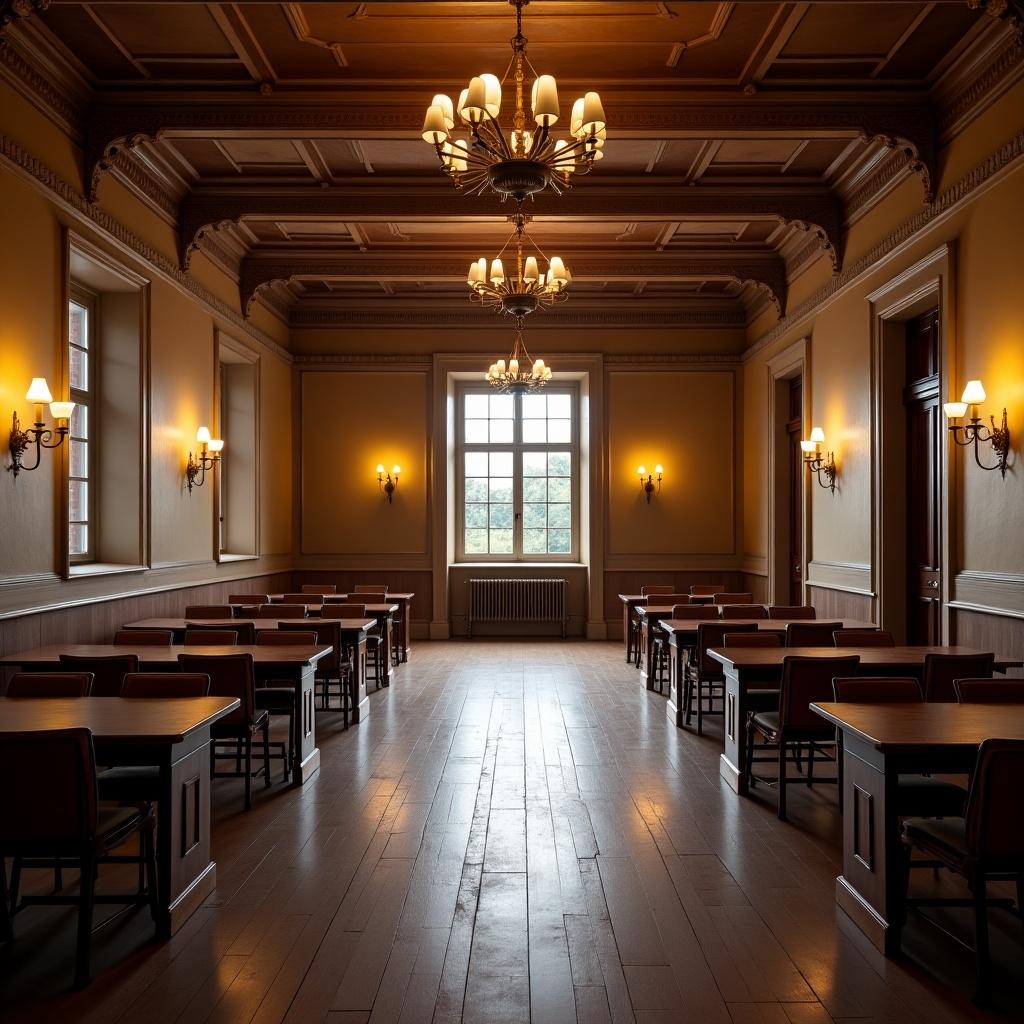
[{"x": 517, "y": 833}]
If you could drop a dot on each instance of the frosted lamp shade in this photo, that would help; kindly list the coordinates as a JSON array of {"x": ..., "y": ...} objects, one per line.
[
  {"x": 557, "y": 268},
  {"x": 593, "y": 113},
  {"x": 203, "y": 435},
  {"x": 818, "y": 435},
  {"x": 576, "y": 118},
  {"x": 477, "y": 273},
  {"x": 461, "y": 108},
  {"x": 497, "y": 272},
  {"x": 216, "y": 444},
  {"x": 513, "y": 367},
  {"x": 595, "y": 154},
  {"x": 545, "y": 101},
  {"x": 39, "y": 392},
  {"x": 955, "y": 410},
  {"x": 974, "y": 393},
  {"x": 380, "y": 467},
  {"x": 445, "y": 103},
  {"x": 395, "y": 470},
  {"x": 808, "y": 447},
  {"x": 435, "y": 129},
  {"x": 62, "y": 410},
  {"x": 641, "y": 470},
  {"x": 531, "y": 272},
  {"x": 492, "y": 94},
  {"x": 476, "y": 100},
  {"x": 659, "y": 469}
]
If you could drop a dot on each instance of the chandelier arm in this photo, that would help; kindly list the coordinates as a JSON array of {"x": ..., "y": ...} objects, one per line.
[{"x": 495, "y": 127}]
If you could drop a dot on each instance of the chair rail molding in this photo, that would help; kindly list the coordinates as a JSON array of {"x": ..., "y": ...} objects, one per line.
[
  {"x": 991, "y": 593},
  {"x": 849, "y": 577}
]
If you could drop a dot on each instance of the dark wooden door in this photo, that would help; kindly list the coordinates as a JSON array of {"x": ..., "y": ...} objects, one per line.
[
  {"x": 923, "y": 411},
  {"x": 794, "y": 430}
]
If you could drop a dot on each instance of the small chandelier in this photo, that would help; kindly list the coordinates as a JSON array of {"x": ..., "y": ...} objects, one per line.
[
  {"x": 524, "y": 161},
  {"x": 517, "y": 376},
  {"x": 526, "y": 289}
]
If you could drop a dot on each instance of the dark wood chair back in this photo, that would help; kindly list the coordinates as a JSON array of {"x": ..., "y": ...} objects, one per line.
[
  {"x": 50, "y": 684},
  {"x": 53, "y": 809},
  {"x": 791, "y": 611},
  {"x": 657, "y": 600},
  {"x": 166, "y": 684},
  {"x": 731, "y": 597},
  {"x": 107, "y": 673},
  {"x": 758, "y": 638},
  {"x": 371, "y": 597},
  {"x": 989, "y": 691},
  {"x": 319, "y": 588},
  {"x": 343, "y": 611},
  {"x": 706, "y": 589},
  {"x": 863, "y": 638},
  {"x": 942, "y": 670},
  {"x": 712, "y": 634},
  {"x": 370, "y": 588},
  {"x": 811, "y": 634},
  {"x": 659, "y": 589},
  {"x": 806, "y": 680},
  {"x": 208, "y": 611},
  {"x": 249, "y": 600},
  {"x": 877, "y": 690},
  {"x": 302, "y": 598},
  {"x": 327, "y": 632},
  {"x": 143, "y": 638},
  {"x": 744, "y": 611},
  {"x": 210, "y": 637},
  {"x": 231, "y": 675},
  {"x": 994, "y": 826},
  {"x": 282, "y": 611},
  {"x": 692, "y": 612},
  {"x": 245, "y": 631},
  {"x": 285, "y": 638}
]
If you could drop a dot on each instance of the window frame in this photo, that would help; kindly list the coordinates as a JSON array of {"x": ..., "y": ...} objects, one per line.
[
  {"x": 79, "y": 295},
  {"x": 517, "y": 447}
]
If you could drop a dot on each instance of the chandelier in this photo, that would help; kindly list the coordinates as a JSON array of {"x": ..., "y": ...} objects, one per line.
[
  {"x": 525, "y": 288},
  {"x": 517, "y": 376},
  {"x": 523, "y": 161}
]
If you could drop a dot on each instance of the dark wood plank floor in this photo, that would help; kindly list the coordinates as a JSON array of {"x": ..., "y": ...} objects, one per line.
[{"x": 517, "y": 833}]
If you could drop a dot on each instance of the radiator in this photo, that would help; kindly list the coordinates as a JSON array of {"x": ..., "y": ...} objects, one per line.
[{"x": 514, "y": 600}]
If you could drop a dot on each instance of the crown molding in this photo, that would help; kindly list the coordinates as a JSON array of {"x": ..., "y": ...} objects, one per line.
[{"x": 41, "y": 82}]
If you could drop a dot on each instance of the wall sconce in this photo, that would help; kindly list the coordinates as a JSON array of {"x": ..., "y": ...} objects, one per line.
[
  {"x": 822, "y": 466},
  {"x": 652, "y": 482},
  {"x": 388, "y": 482},
  {"x": 38, "y": 434},
  {"x": 972, "y": 433},
  {"x": 209, "y": 455}
]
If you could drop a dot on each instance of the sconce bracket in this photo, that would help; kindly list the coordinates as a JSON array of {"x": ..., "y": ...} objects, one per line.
[
  {"x": 975, "y": 432},
  {"x": 195, "y": 471},
  {"x": 388, "y": 486},
  {"x": 21, "y": 440},
  {"x": 824, "y": 468},
  {"x": 649, "y": 487}
]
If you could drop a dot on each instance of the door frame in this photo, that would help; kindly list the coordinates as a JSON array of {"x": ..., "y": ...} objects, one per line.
[{"x": 926, "y": 284}]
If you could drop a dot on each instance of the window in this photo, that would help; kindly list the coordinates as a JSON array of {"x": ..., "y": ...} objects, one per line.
[
  {"x": 518, "y": 475},
  {"x": 81, "y": 452}
]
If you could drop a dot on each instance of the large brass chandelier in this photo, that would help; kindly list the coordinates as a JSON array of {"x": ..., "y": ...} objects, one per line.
[
  {"x": 525, "y": 160},
  {"x": 523, "y": 288},
  {"x": 520, "y": 373}
]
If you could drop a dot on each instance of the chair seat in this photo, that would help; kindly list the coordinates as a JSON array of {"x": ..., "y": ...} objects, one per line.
[
  {"x": 768, "y": 721},
  {"x": 115, "y": 824},
  {"x": 926, "y": 797},
  {"x": 129, "y": 784},
  {"x": 280, "y": 699},
  {"x": 943, "y": 837},
  {"x": 234, "y": 730}
]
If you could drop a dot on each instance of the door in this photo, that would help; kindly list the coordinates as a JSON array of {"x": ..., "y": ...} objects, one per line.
[
  {"x": 794, "y": 432},
  {"x": 923, "y": 474}
]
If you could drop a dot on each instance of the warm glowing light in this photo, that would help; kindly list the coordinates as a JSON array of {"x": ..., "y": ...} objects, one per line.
[
  {"x": 395, "y": 470},
  {"x": 641, "y": 470},
  {"x": 380, "y": 467},
  {"x": 659, "y": 469},
  {"x": 974, "y": 393},
  {"x": 203, "y": 435},
  {"x": 808, "y": 447},
  {"x": 62, "y": 410},
  {"x": 39, "y": 392},
  {"x": 818, "y": 435},
  {"x": 216, "y": 444},
  {"x": 955, "y": 410}
]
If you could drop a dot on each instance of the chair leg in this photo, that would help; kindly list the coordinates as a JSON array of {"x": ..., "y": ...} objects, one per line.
[
  {"x": 152, "y": 890},
  {"x": 267, "y": 781},
  {"x": 687, "y": 700},
  {"x": 6, "y": 929},
  {"x": 839, "y": 768},
  {"x": 700, "y": 707},
  {"x": 782, "y": 779},
  {"x": 749, "y": 768},
  {"x": 981, "y": 953},
  {"x": 289, "y": 747},
  {"x": 248, "y": 770},
  {"x": 344, "y": 688},
  {"x": 810, "y": 764},
  {"x": 86, "y": 891}
]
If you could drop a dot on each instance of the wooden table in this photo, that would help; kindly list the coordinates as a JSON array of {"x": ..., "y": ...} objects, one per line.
[
  {"x": 173, "y": 735},
  {"x": 629, "y": 604},
  {"x": 403, "y": 621},
  {"x": 747, "y": 668},
  {"x": 880, "y": 741},
  {"x": 293, "y": 664},
  {"x": 353, "y": 633},
  {"x": 682, "y": 636}
]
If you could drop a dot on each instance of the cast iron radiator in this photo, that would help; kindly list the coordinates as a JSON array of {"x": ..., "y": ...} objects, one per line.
[{"x": 515, "y": 600}]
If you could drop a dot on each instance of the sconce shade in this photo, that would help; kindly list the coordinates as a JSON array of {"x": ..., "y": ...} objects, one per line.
[
  {"x": 974, "y": 393},
  {"x": 955, "y": 410},
  {"x": 62, "y": 410},
  {"x": 216, "y": 444},
  {"x": 380, "y": 467},
  {"x": 818, "y": 435},
  {"x": 659, "y": 469},
  {"x": 808, "y": 446},
  {"x": 38, "y": 392},
  {"x": 641, "y": 470},
  {"x": 203, "y": 435},
  {"x": 395, "y": 470}
]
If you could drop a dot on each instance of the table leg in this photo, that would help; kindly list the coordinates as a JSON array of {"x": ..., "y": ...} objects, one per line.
[
  {"x": 676, "y": 687},
  {"x": 406, "y": 616},
  {"x": 387, "y": 639},
  {"x": 360, "y": 702},
  {"x": 733, "y": 761},
  {"x": 306, "y": 753},
  {"x": 647, "y": 646},
  {"x": 627, "y": 632}
]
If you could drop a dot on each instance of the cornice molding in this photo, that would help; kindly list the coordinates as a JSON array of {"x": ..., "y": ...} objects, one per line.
[
  {"x": 1004, "y": 66},
  {"x": 1007, "y": 154},
  {"x": 13, "y": 11},
  {"x": 360, "y": 359},
  {"x": 1010, "y": 11},
  {"x": 135, "y": 177},
  {"x": 27, "y": 74},
  {"x": 67, "y": 196}
]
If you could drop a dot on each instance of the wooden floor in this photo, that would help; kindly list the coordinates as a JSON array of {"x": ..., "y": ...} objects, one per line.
[{"x": 517, "y": 833}]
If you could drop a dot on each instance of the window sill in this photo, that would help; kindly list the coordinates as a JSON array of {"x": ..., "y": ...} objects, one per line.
[
  {"x": 102, "y": 569},
  {"x": 518, "y": 565},
  {"x": 226, "y": 557}
]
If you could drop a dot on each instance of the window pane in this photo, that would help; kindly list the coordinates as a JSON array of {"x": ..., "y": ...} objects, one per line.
[
  {"x": 535, "y": 431},
  {"x": 79, "y": 370},
  {"x": 502, "y": 407},
  {"x": 559, "y": 406},
  {"x": 501, "y": 517},
  {"x": 78, "y": 501},
  {"x": 78, "y": 325},
  {"x": 476, "y": 542},
  {"x": 559, "y": 463},
  {"x": 476, "y": 516},
  {"x": 476, "y": 431},
  {"x": 535, "y": 489},
  {"x": 559, "y": 515},
  {"x": 476, "y": 463},
  {"x": 535, "y": 542},
  {"x": 79, "y": 458},
  {"x": 536, "y": 464},
  {"x": 501, "y": 542},
  {"x": 80, "y": 421},
  {"x": 476, "y": 407},
  {"x": 559, "y": 542},
  {"x": 501, "y": 463},
  {"x": 535, "y": 407},
  {"x": 535, "y": 515},
  {"x": 476, "y": 490},
  {"x": 559, "y": 489},
  {"x": 500, "y": 489},
  {"x": 78, "y": 539},
  {"x": 560, "y": 431},
  {"x": 502, "y": 431}
]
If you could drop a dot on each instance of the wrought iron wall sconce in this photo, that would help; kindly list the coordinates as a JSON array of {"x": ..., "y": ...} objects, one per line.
[
  {"x": 823, "y": 466},
  {"x": 650, "y": 482},
  {"x": 975, "y": 432},
  {"x": 38, "y": 434},
  {"x": 388, "y": 482},
  {"x": 209, "y": 455}
]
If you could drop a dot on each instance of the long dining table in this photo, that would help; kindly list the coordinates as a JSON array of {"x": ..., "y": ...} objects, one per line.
[
  {"x": 353, "y": 634},
  {"x": 172, "y": 735},
  {"x": 751, "y": 668},
  {"x": 881, "y": 742},
  {"x": 294, "y": 664}
]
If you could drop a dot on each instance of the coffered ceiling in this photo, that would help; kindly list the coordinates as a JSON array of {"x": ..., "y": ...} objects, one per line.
[{"x": 283, "y": 138}]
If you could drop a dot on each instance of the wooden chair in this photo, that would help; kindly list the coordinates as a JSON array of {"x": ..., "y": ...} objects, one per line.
[
  {"x": 706, "y": 589},
  {"x": 804, "y": 681},
  {"x": 245, "y": 632},
  {"x": 918, "y": 795},
  {"x": 53, "y": 813},
  {"x": 942, "y": 670},
  {"x": 143, "y": 638},
  {"x": 986, "y": 691},
  {"x": 334, "y": 668},
  {"x": 791, "y": 611},
  {"x": 282, "y": 611},
  {"x": 210, "y": 637},
  {"x": 370, "y": 588},
  {"x": 46, "y": 685},
  {"x": 758, "y": 638},
  {"x": 302, "y": 598},
  {"x": 319, "y": 588},
  {"x": 727, "y": 597},
  {"x": 232, "y": 675},
  {"x": 863, "y": 638},
  {"x": 372, "y": 596},
  {"x": 252, "y": 600},
  {"x": 744, "y": 611},
  {"x": 657, "y": 599},
  {"x": 107, "y": 673},
  {"x": 162, "y": 685},
  {"x": 660, "y": 655},
  {"x": 987, "y": 843},
  {"x": 374, "y": 640},
  {"x": 209, "y": 611},
  {"x": 705, "y": 677},
  {"x": 811, "y": 634}
]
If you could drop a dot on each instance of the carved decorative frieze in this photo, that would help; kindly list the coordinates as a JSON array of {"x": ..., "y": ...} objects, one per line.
[
  {"x": 1011, "y": 11},
  {"x": 12, "y": 11}
]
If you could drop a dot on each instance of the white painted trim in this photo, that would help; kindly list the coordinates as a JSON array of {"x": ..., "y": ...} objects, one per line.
[
  {"x": 848, "y": 577},
  {"x": 993, "y": 593}
]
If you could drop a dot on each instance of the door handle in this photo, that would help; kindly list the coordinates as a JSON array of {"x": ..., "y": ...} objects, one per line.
[{"x": 934, "y": 584}]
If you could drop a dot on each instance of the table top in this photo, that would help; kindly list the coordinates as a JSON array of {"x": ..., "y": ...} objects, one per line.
[
  {"x": 926, "y": 725},
  {"x": 116, "y": 719},
  {"x": 178, "y": 624},
  {"x": 778, "y": 625},
  {"x": 897, "y": 657},
  {"x": 264, "y": 654},
  {"x": 313, "y": 610},
  {"x": 278, "y": 598}
]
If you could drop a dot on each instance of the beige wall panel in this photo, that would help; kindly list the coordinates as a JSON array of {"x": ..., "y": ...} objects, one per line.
[
  {"x": 351, "y": 421},
  {"x": 755, "y": 459},
  {"x": 275, "y": 443},
  {"x": 683, "y": 420}
]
